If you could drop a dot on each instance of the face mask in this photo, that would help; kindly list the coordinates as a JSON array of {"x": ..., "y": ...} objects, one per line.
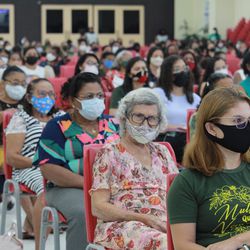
[
  {"x": 91, "y": 109},
  {"x": 191, "y": 65},
  {"x": 91, "y": 69},
  {"x": 31, "y": 60},
  {"x": 15, "y": 92},
  {"x": 236, "y": 140},
  {"x": 8, "y": 48},
  {"x": 222, "y": 71},
  {"x": 181, "y": 78},
  {"x": 42, "y": 105},
  {"x": 4, "y": 59},
  {"x": 141, "y": 76},
  {"x": 142, "y": 134},
  {"x": 156, "y": 61},
  {"x": 108, "y": 63},
  {"x": 84, "y": 48},
  {"x": 114, "y": 49},
  {"x": 39, "y": 50},
  {"x": 50, "y": 57}
]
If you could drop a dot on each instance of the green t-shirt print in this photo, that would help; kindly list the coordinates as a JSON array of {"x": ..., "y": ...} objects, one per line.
[{"x": 219, "y": 204}]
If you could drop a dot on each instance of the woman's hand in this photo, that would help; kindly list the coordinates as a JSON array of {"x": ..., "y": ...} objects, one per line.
[{"x": 154, "y": 222}]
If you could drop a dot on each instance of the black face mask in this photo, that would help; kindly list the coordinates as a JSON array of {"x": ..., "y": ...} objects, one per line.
[
  {"x": 31, "y": 60},
  {"x": 236, "y": 140},
  {"x": 181, "y": 79}
]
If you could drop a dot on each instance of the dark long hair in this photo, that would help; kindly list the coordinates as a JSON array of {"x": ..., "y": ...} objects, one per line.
[
  {"x": 74, "y": 84},
  {"x": 27, "y": 106},
  {"x": 82, "y": 59},
  {"x": 166, "y": 79},
  {"x": 128, "y": 81}
]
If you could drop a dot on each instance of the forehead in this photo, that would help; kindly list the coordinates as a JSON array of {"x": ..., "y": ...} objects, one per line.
[
  {"x": 15, "y": 56},
  {"x": 92, "y": 87},
  {"x": 91, "y": 59},
  {"x": 43, "y": 85},
  {"x": 139, "y": 64},
  {"x": 241, "y": 108},
  {"x": 145, "y": 109},
  {"x": 179, "y": 63},
  {"x": 219, "y": 63},
  {"x": 31, "y": 51},
  {"x": 16, "y": 75},
  {"x": 158, "y": 52}
]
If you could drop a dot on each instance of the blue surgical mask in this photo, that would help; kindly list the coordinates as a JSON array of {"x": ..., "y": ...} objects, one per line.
[
  {"x": 92, "y": 108},
  {"x": 108, "y": 63},
  {"x": 42, "y": 105}
]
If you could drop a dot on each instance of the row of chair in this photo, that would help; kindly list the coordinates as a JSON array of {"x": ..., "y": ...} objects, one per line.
[{"x": 50, "y": 216}]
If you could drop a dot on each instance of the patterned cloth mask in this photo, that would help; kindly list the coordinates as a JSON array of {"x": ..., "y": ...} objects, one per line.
[{"x": 42, "y": 105}]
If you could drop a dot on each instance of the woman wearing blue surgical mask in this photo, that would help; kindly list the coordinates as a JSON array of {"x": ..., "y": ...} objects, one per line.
[
  {"x": 60, "y": 151},
  {"x": 14, "y": 89},
  {"x": 22, "y": 135}
]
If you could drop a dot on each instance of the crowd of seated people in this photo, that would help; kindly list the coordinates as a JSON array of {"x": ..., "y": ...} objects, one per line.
[{"x": 151, "y": 88}]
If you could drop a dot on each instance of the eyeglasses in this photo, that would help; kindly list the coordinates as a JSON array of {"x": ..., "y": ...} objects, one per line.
[
  {"x": 239, "y": 121},
  {"x": 91, "y": 96},
  {"x": 16, "y": 83},
  {"x": 140, "y": 118},
  {"x": 178, "y": 69},
  {"x": 43, "y": 94}
]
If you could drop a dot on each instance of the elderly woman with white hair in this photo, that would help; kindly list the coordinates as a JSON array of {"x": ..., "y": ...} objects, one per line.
[{"x": 129, "y": 178}]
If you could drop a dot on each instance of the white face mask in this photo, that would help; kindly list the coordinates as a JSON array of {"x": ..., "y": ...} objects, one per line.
[
  {"x": 50, "y": 57},
  {"x": 156, "y": 61},
  {"x": 114, "y": 49},
  {"x": 15, "y": 92},
  {"x": 91, "y": 109},
  {"x": 222, "y": 71},
  {"x": 4, "y": 59},
  {"x": 142, "y": 134},
  {"x": 84, "y": 48},
  {"x": 91, "y": 69}
]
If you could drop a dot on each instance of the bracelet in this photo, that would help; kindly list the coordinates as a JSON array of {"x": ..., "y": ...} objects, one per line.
[{"x": 245, "y": 247}]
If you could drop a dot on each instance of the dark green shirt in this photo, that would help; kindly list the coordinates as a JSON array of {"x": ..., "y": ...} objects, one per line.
[
  {"x": 219, "y": 205},
  {"x": 246, "y": 85},
  {"x": 117, "y": 94}
]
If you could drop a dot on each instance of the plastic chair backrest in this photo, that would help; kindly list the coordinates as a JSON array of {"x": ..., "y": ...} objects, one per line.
[
  {"x": 67, "y": 71},
  {"x": 107, "y": 102},
  {"x": 89, "y": 158},
  {"x": 170, "y": 179},
  {"x": 7, "y": 115},
  {"x": 190, "y": 112},
  {"x": 57, "y": 83}
]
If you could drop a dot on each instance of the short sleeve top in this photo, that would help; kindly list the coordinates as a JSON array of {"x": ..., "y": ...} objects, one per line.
[{"x": 62, "y": 142}]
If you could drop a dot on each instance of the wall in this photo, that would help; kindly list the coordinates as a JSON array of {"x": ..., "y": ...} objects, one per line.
[
  {"x": 224, "y": 14},
  {"x": 158, "y": 14}
]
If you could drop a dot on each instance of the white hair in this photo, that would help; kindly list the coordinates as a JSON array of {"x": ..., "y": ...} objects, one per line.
[{"x": 141, "y": 96}]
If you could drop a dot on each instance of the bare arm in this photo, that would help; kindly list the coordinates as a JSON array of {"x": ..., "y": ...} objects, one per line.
[
  {"x": 233, "y": 243},
  {"x": 14, "y": 145},
  {"x": 104, "y": 210},
  {"x": 184, "y": 236},
  {"x": 61, "y": 176}
]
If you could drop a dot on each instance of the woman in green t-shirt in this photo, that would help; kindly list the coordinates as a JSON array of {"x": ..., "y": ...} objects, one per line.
[{"x": 209, "y": 202}]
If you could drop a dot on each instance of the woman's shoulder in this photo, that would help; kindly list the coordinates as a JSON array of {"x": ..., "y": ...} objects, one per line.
[{"x": 59, "y": 118}]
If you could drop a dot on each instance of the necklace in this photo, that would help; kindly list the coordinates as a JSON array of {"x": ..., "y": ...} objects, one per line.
[{"x": 90, "y": 128}]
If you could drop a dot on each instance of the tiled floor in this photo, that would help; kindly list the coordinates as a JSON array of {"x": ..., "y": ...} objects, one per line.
[{"x": 30, "y": 244}]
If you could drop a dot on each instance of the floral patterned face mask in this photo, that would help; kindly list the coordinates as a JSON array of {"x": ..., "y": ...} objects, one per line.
[{"x": 43, "y": 105}]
